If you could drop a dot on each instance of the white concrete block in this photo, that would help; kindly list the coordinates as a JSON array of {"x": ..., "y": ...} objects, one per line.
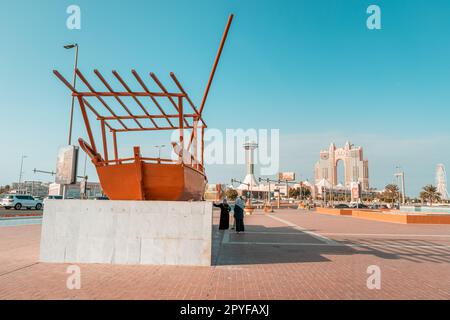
[{"x": 127, "y": 232}]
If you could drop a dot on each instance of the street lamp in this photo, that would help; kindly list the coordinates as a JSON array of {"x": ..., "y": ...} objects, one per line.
[
  {"x": 401, "y": 175},
  {"x": 69, "y": 47},
  {"x": 21, "y": 171},
  {"x": 269, "y": 200},
  {"x": 159, "y": 150}
]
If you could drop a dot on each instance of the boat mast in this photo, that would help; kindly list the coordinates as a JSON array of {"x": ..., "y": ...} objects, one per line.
[
  {"x": 216, "y": 62},
  {"x": 208, "y": 86}
]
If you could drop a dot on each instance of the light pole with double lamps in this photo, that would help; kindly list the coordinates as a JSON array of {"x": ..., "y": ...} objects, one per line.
[
  {"x": 20, "y": 173},
  {"x": 68, "y": 47}
]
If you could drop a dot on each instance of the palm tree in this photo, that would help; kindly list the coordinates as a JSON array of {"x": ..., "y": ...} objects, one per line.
[
  {"x": 294, "y": 193},
  {"x": 430, "y": 194},
  {"x": 390, "y": 192},
  {"x": 231, "y": 194}
]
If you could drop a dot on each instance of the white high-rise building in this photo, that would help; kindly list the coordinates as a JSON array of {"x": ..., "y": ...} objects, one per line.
[
  {"x": 249, "y": 180},
  {"x": 356, "y": 169},
  {"x": 441, "y": 181}
]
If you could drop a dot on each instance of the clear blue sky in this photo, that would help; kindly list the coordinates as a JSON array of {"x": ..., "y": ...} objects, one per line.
[{"x": 310, "y": 68}]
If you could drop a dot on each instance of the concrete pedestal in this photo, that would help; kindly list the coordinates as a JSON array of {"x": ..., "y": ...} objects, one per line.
[{"x": 127, "y": 232}]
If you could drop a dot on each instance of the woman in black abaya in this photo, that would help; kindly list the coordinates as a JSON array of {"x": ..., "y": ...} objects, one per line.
[{"x": 224, "y": 214}]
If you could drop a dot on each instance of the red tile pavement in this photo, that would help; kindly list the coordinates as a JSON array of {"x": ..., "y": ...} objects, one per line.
[{"x": 284, "y": 256}]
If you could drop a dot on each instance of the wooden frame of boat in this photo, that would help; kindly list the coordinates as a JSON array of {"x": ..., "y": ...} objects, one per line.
[{"x": 141, "y": 178}]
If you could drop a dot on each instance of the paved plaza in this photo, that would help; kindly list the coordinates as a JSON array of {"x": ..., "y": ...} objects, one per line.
[{"x": 290, "y": 254}]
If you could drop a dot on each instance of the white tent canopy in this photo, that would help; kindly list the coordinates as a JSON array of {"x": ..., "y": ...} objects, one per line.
[
  {"x": 248, "y": 181},
  {"x": 340, "y": 186},
  {"x": 323, "y": 183},
  {"x": 307, "y": 184}
]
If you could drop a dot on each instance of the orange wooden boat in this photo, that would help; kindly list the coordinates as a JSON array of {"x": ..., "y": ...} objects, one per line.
[{"x": 138, "y": 177}]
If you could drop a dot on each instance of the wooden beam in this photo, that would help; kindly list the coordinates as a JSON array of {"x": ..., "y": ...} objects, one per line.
[
  {"x": 87, "y": 124},
  {"x": 141, "y": 82},
  {"x": 105, "y": 144}
]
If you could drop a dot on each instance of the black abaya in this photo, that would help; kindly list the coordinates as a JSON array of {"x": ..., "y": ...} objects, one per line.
[{"x": 225, "y": 209}]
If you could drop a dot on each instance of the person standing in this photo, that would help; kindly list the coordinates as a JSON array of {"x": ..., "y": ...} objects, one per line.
[
  {"x": 239, "y": 214},
  {"x": 225, "y": 209}
]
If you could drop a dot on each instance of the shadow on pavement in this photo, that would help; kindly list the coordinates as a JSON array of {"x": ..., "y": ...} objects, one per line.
[{"x": 268, "y": 245}]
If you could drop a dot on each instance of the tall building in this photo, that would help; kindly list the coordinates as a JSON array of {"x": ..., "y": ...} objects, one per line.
[
  {"x": 93, "y": 189},
  {"x": 441, "y": 181},
  {"x": 356, "y": 169},
  {"x": 249, "y": 180},
  {"x": 34, "y": 188}
]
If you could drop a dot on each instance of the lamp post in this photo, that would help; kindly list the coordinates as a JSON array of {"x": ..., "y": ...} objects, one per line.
[
  {"x": 159, "y": 151},
  {"x": 21, "y": 171},
  {"x": 301, "y": 188},
  {"x": 68, "y": 47},
  {"x": 268, "y": 205},
  {"x": 248, "y": 206},
  {"x": 279, "y": 196},
  {"x": 401, "y": 175}
]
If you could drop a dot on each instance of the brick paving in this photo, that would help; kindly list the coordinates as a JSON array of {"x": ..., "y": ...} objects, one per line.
[{"x": 293, "y": 254}]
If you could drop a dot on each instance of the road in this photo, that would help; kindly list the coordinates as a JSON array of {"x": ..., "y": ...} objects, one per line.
[
  {"x": 19, "y": 212},
  {"x": 19, "y": 217},
  {"x": 289, "y": 254}
]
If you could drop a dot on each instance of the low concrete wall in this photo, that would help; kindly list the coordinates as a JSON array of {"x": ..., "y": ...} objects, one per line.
[
  {"x": 426, "y": 209},
  {"x": 380, "y": 216},
  {"x": 429, "y": 219},
  {"x": 346, "y": 212},
  {"x": 127, "y": 232},
  {"x": 389, "y": 216},
  {"x": 404, "y": 217},
  {"x": 335, "y": 212}
]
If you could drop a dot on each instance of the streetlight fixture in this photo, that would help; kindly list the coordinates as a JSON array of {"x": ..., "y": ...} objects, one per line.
[
  {"x": 69, "y": 47},
  {"x": 301, "y": 187},
  {"x": 159, "y": 150},
  {"x": 21, "y": 172},
  {"x": 400, "y": 175}
]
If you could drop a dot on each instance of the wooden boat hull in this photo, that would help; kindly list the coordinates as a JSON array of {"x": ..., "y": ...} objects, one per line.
[
  {"x": 152, "y": 181},
  {"x": 143, "y": 178}
]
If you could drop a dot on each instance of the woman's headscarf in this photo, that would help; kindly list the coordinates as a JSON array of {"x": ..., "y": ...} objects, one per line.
[{"x": 240, "y": 203}]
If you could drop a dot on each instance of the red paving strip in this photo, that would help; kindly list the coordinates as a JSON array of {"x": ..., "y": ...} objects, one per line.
[
  {"x": 19, "y": 215},
  {"x": 416, "y": 268},
  {"x": 345, "y": 224}
]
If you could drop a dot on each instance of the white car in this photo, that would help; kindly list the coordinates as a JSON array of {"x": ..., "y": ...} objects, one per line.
[{"x": 19, "y": 201}]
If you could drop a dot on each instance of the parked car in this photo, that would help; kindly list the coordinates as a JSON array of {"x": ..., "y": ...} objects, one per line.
[
  {"x": 258, "y": 201},
  {"x": 355, "y": 205},
  {"x": 55, "y": 197},
  {"x": 341, "y": 206},
  {"x": 19, "y": 201},
  {"x": 101, "y": 198}
]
